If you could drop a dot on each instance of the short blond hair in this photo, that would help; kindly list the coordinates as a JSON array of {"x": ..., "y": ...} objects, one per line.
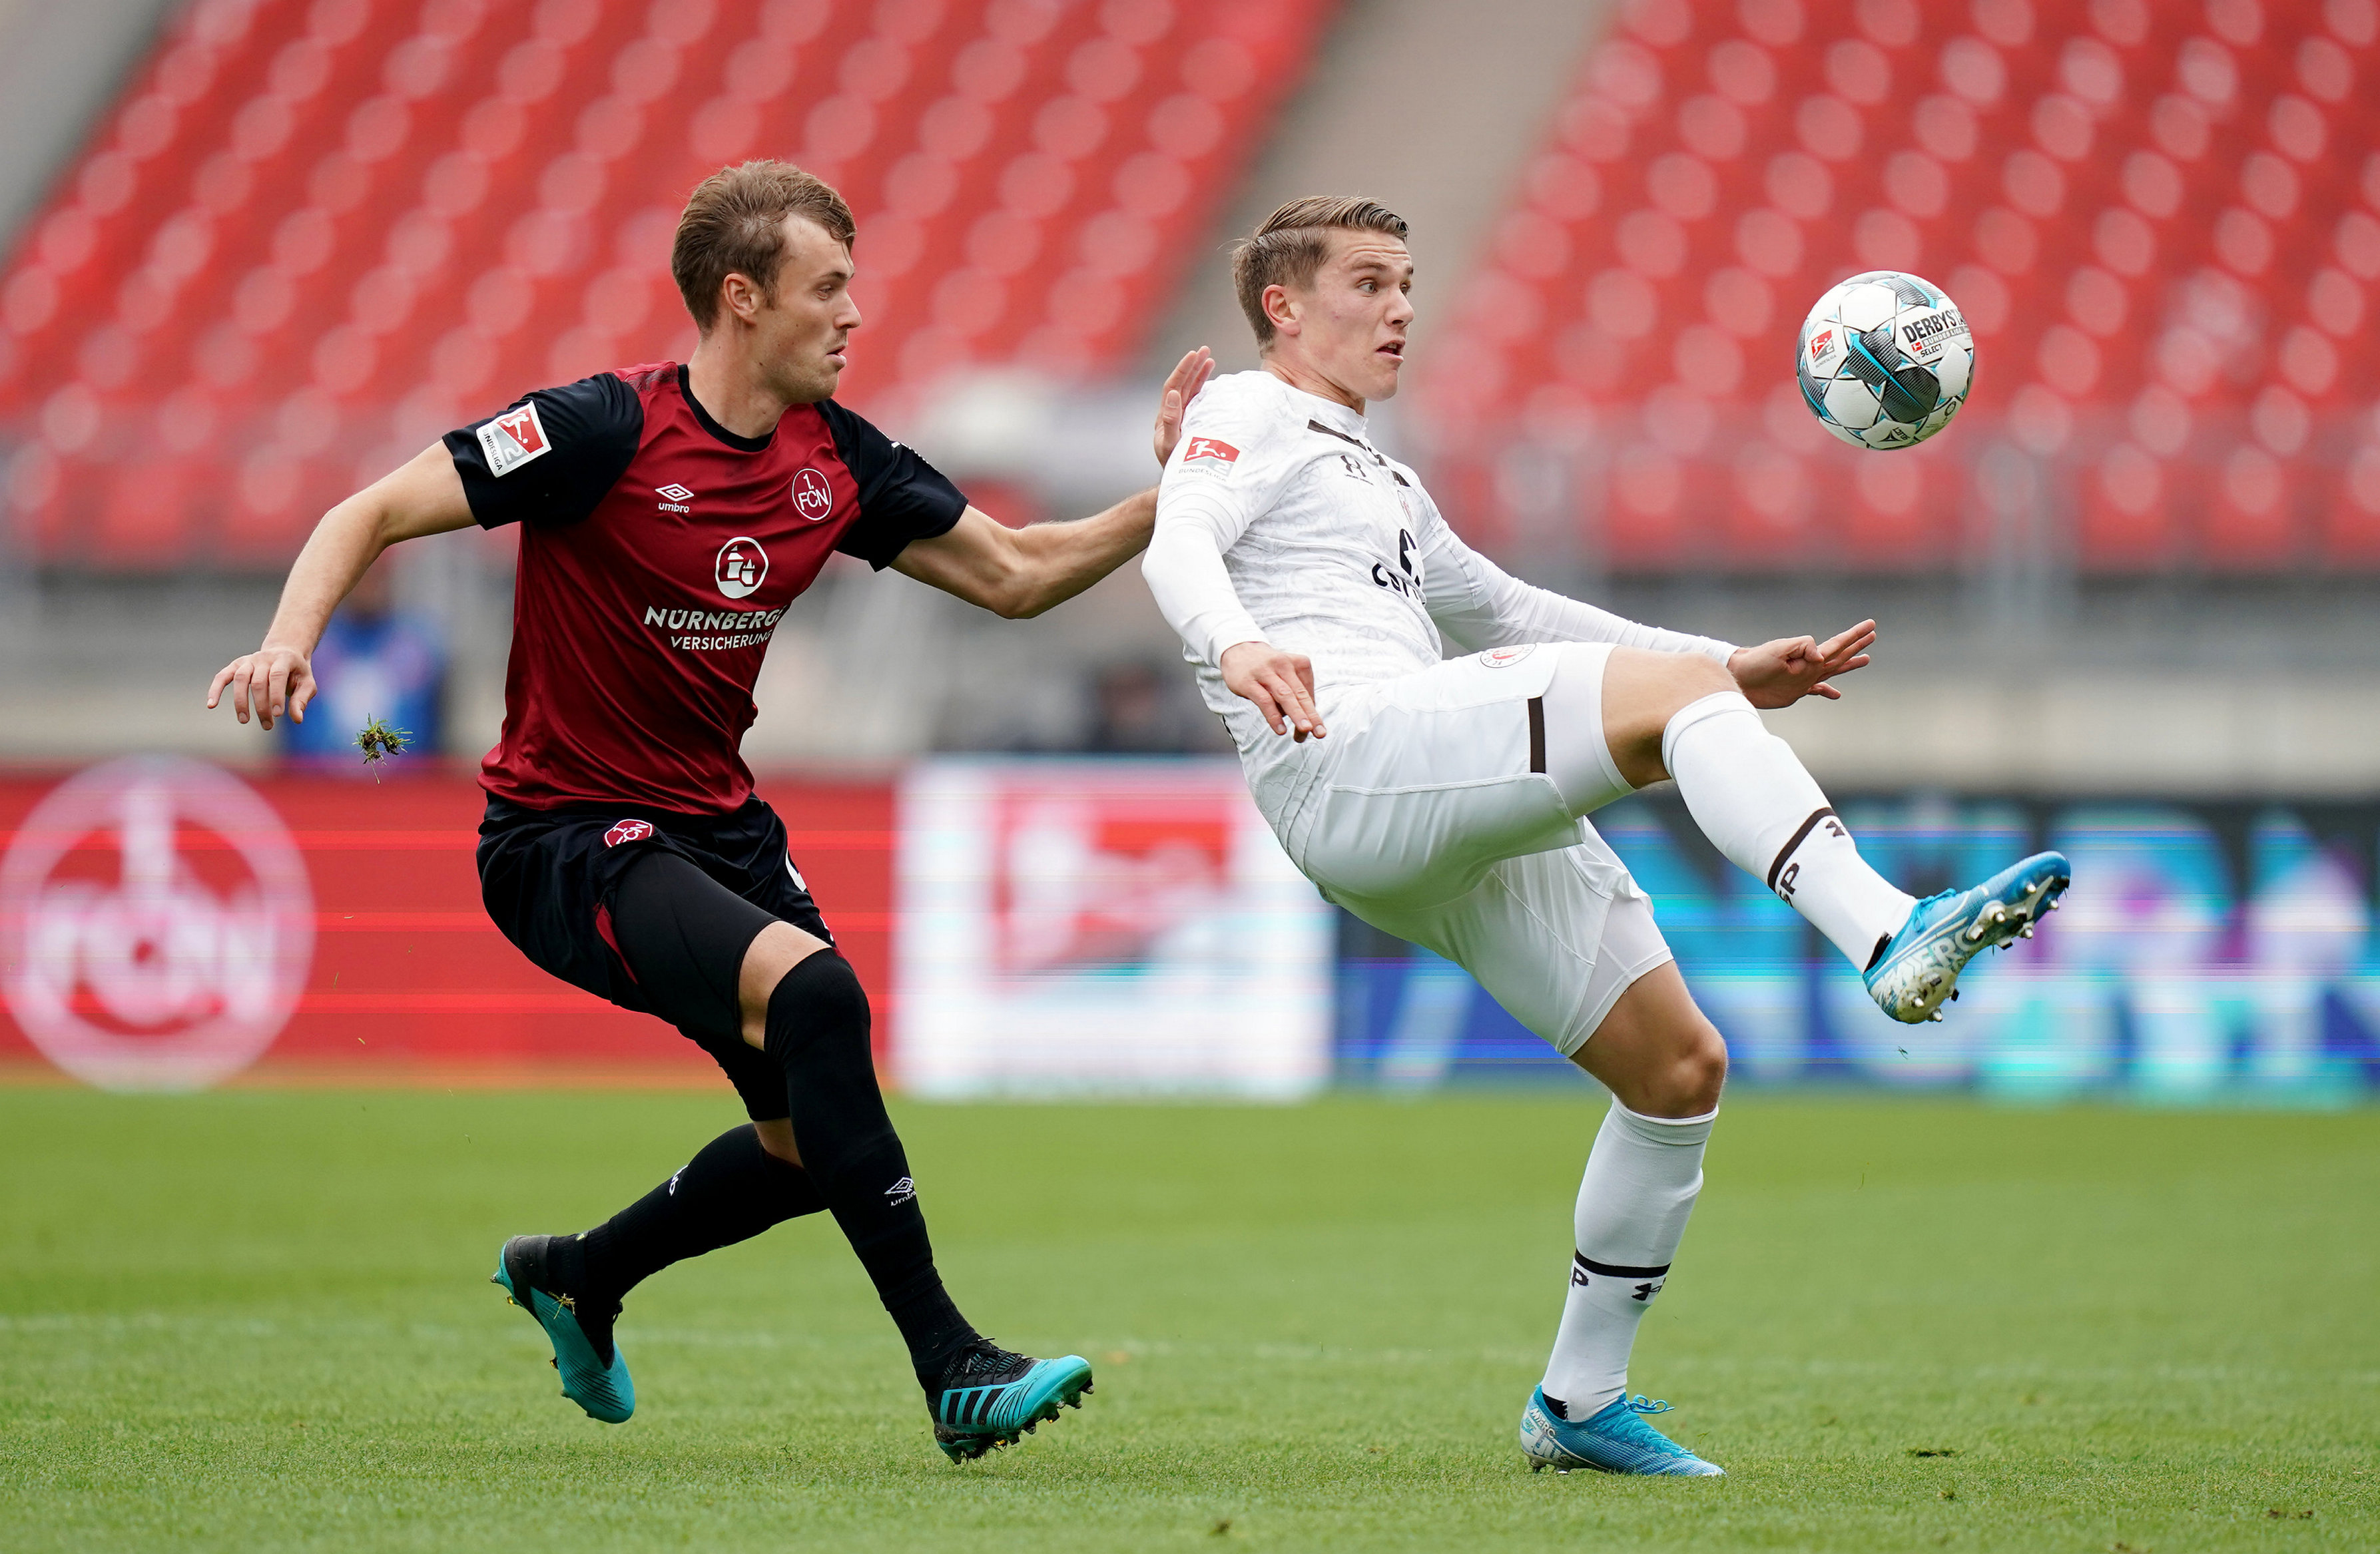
[
  {"x": 735, "y": 224},
  {"x": 1291, "y": 245}
]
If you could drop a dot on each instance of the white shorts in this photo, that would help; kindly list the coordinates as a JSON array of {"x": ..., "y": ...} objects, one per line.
[{"x": 1428, "y": 814}]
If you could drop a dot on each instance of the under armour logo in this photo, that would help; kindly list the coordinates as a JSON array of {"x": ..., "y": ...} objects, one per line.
[
  {"x": 1647, "y": 1290},
  {"x": 901, "y": 1192}
]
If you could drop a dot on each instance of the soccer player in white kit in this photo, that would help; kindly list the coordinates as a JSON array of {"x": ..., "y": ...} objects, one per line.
[{"x": 1444, "y": 800}]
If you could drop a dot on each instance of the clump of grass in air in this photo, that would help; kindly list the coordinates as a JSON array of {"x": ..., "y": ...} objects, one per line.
[{"x": 378, "y": 741}]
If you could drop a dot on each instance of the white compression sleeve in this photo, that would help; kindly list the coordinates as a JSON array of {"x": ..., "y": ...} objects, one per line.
[
  {"x": 1642, "y": 1178},
  {"x": 1478, "y": 604},
  {"x": 1752, "y": 796},
  {"x": 1186, "y": 576}
]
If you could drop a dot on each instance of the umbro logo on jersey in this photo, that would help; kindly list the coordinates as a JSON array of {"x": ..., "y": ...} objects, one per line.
[
  {"x": 513, "y": 439},
  {"x": 813, "y": 498},
  {"x": 627, "y": 830},
  {"x": 674, "y": 498},
  {"x": 901, "y": 1192},
  {"x": 742, "y": 564}
]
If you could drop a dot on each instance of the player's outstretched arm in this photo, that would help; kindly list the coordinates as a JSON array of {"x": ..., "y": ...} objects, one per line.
[
  {"x": 1019, "y": 573},
  {"x": 424, "y": 496},
  {"x": 1781, "y": 673}
]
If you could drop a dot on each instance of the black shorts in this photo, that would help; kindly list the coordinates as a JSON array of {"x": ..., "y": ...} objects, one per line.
[{"x": 549, "y": 876}]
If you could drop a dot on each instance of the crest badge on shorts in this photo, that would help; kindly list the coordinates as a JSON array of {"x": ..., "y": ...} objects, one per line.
[
  {"x": 1505, "y": 658},
  {"x": 627, "y": 830}
]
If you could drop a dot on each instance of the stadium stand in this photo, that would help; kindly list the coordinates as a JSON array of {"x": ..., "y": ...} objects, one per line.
[
  {"x": 312, "y": 234},
  {"x": 2162, "y": 220}
]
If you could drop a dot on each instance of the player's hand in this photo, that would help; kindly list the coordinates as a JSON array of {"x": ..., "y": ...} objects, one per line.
[
  {"x": 273, "y": 680},
  {"x": 1281, "y": 686},
  {"x": 1181, "y": 386},
  {"x": 1781, "y": 673}
]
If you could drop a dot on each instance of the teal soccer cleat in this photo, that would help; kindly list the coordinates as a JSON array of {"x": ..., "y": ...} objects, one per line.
[
  {"x": 989, "y": 1396},
  {"x": 593, "y": 1375},
  {"x": 1616, "y": 1439},
  {"x": 1917, "y": 970}
]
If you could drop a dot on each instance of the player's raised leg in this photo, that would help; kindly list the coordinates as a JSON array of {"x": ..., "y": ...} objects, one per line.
[{"x": 1676, "y": 715}]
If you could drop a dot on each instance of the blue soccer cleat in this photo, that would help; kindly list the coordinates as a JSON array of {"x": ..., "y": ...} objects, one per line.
[
  {"x": 593, "y": 1375},
  {"x": 1616, "y": 1439},
  {"x": 1917, "y": 970},
  {"x": 989, "y": 1397}
]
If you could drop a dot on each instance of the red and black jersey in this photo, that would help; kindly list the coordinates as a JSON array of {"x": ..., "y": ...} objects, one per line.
[{"x": 658, "y": 552}]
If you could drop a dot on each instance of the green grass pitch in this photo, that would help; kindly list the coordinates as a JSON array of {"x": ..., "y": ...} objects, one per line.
[{"x": 261, "y": 1320}]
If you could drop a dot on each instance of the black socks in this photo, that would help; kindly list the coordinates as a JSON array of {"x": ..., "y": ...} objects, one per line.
[
  {"x": 819, "y": 1033},
  {"x": 852, "y": 1165},
  {"x": 730, "y": 1192}
]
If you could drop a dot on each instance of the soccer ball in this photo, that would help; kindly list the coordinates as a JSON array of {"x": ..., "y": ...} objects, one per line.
[{"x": 1885, "y": 360}]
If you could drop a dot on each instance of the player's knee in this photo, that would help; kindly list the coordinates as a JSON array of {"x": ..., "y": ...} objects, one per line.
[
  {"x": 776, "y": 1136},
  {"x": 819, "y": 1006},
  {"x": 1689, "y": 677},
  {"x": 1689, "y": 1083},
  {"x": 1642, "y": 691}
]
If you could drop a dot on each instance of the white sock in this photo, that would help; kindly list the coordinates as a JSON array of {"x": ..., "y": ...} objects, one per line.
[
  {"x": 1748, "y": 792},
  {"x": 1640, "y": 1184}
]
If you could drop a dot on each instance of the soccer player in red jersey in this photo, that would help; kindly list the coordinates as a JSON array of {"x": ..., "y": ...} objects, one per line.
[{"x": 669, "y": 515}]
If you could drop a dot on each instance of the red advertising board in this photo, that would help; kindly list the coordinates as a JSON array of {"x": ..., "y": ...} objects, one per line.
[{"x": 153, "y": 913}]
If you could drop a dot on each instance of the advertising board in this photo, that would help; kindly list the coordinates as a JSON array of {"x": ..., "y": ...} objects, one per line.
[
  {"x": 165, "y": 923},
  {"x": 1065, "y": 927},
  {"x": 1072, "y": 927},
  {"x": 2209, "y": 952}
]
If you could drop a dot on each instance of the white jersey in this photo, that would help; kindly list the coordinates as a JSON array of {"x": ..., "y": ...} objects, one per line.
[{"x": 1278, "y": 522}]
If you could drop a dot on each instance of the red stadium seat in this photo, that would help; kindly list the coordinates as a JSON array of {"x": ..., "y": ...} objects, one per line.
[
  {"x": 2175, "y": 206},
  {"x": 441, "y": 205},
  {"x": 2350, "y": 534},
  {"x": 2252, "y": 520},
  {"x": 2129, "y": 512},
  {"x": 142, "y": 522}
]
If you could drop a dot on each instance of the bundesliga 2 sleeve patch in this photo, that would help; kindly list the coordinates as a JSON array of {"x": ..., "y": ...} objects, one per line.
[
  {"x": 1209, "y": 456},
  {"x": 513, "y": 439}
]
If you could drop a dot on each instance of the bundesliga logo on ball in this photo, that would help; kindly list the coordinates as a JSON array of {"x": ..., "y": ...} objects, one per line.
[{"x": 1885, "y": 360}]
